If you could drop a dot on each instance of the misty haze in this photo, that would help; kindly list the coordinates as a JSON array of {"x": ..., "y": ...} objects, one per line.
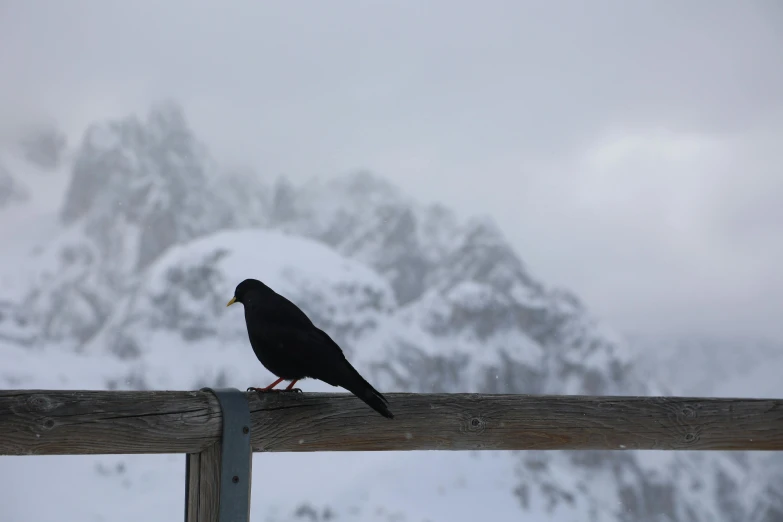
[{"x": 507, "y": 197}]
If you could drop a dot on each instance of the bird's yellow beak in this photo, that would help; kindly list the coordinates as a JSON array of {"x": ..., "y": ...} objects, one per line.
[{"x": 233, "y": 300}]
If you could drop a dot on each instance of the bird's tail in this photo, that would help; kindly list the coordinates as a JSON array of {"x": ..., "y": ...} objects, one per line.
[{"x": 364, "y": 390}]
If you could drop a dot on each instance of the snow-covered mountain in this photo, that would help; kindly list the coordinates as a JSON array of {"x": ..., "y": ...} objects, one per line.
[{"x": 123, "y": 285}]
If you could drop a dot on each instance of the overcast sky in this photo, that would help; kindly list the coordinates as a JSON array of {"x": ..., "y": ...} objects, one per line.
[{"x": 633, "y": 151}]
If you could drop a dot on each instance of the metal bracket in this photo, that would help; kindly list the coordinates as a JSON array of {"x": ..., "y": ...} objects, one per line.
[{"x": 235, "y": 455}]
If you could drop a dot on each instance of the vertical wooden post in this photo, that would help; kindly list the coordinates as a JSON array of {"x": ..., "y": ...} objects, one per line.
[
  {"x": 202, "y": 493},
  {"x": 218, "y": 479}
]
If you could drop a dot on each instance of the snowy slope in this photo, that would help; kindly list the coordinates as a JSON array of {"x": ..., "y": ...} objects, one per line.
[
  {"x": 29, "y": 216},
  {"x": 188, "y": 286},
  {"x": 129, "y": 290}
]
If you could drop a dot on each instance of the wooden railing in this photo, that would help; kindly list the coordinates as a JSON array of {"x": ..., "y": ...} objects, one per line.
[{"x": 46, "y": 422}]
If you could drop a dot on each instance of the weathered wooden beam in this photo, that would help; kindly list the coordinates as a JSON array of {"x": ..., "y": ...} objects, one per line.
[
  {"x": 202, "y": 485},
  {"x": 42, "y": 422}
]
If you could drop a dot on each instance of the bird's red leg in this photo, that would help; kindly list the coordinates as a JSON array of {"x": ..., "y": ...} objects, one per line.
[
  {"x": 290, "y": 387},
  {"x": 268, "y": 388}
]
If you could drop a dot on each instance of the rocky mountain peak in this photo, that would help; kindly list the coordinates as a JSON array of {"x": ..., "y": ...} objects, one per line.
[
  {"x": 143, "y": 182},
  {"x": 484, "y": 255},
  {"x": 415, "y": 245}
]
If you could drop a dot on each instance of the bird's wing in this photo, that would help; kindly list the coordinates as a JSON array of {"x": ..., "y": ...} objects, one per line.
[{"x": 312, "y": 348}]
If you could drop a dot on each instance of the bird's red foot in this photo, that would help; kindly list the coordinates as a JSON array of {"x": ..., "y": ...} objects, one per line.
[
  {"x": 290, "y": 387},
  {"x": 262, "y": 390},
  {"x": 271, "y": 387},
  {"x": 268, "y": 388}
]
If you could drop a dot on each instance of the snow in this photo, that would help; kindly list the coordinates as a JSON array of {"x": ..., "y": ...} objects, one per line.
[
  {"x": 527, "y": 296},
  {"x": 354, "y": 486},
  {"x": 413, "y": 485},
  {"x": 358, "y": 486},
  {"x": 470, "y": 295},
  {"x": 371, "y": 486},
  {"x": 344, "y": 250},
  {"x": 19, "y": 246}
]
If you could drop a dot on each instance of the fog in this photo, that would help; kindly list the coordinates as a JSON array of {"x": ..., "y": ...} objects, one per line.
[{"x": 630, "y": 151}]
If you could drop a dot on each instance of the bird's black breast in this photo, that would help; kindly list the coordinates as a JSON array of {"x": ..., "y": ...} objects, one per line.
[{"x": 272, "y": 348}]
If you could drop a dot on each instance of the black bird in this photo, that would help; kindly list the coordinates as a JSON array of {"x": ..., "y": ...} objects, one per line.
[{"x": 290, "y": 346}]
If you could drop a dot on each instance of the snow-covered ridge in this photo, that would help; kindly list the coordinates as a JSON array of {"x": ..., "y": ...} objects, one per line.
[{"x": 183, "y": 295}]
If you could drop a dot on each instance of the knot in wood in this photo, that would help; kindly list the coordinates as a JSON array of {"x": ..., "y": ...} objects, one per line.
[
  {"x": 40, "y": 403},
  {"x": 48, "y": 423},
  {"x": 688, "y": 412},
  {"x": 691, "y": 437},
  {"x": 476, "y": 424}
]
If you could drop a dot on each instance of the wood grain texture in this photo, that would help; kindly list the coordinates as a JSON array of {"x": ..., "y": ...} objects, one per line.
[
  {"x": 44, "y": 422},
  {"x": 209, "y": 484},
  {"x": 340, "y": 422},
  {"x": 192, "y": 486},
  {"x": 202, "y": 485},
  {"x": 39, "y": 422}
]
